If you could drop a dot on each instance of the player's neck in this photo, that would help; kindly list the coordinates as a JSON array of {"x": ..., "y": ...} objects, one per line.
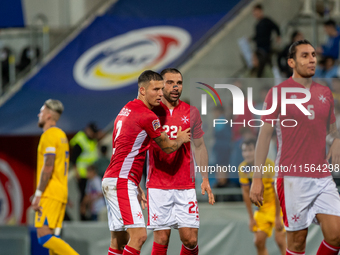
[
  {"x": 170, "y": 105},
  {"x": 306, "y": 82},
  {"x": 145, "y": 102},
  {"x": 49, "y": 124}
]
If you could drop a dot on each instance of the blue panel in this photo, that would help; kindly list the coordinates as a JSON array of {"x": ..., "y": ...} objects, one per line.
[
  {"x": 95, "y": 75},
  {"x": 11, "y": 14}
]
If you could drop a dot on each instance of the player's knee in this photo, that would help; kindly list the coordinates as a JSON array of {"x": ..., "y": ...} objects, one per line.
[
  {"x": 161, "y": 238},
  {"x": 142, "y": 239},
  {"x": 333, "y": 239},
  {"x": 280, "y": 240},
  {"x": 260, "y": 243},
  {"x": 299, "y": 243},
  {"x": 190, "y": 242}
]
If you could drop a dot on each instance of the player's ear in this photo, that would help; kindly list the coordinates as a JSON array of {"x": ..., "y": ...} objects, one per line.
[
  {"x": 291, "y": 63},
  {"x": 142, "y": 90}
]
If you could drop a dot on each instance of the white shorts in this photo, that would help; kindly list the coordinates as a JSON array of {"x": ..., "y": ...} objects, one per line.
[
  {"x": 301, "y": 199},
  {"x": 123, "y": 208},
  {"x": 172, "y": 208}
]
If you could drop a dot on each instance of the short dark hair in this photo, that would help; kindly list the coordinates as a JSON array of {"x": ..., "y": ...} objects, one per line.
[
  {"x": 249, "y": 141},
  {"x": 258, "y": 6},
  {"x": 93, "y": 126},
  {"x": 103, "y": 149},
  {"x": 170, "y": 70},
  {"x": 148, "y": 76},
  {"x": 330, "y": 23},
  {"x": 292, "y": 48}
]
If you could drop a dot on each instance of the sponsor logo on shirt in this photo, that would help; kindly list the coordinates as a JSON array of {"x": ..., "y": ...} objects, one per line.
[{"x": 156, "y": 124}]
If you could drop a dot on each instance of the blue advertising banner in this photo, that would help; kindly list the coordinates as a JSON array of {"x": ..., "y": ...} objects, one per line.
[
  {"x": 95, "y": 75},
  {"x": 11, "y": 14}
]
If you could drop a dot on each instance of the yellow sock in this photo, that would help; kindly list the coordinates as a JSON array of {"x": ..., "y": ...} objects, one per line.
[{"x": 58, "y": 246}]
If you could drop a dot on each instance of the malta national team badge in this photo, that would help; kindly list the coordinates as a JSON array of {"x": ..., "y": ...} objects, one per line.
[
  {"x": 185, "y": 119},
  {"x": 322, "y": 99},
  {"x": 295, "y": 218},
  {"x": 154, "y": 217},
  {"x": 139, "y": 215},
  {"x": 156, "y": 124}
]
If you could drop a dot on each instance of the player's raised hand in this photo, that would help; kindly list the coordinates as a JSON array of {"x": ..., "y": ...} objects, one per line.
[
  {"x": 334, "y": 152},
  {"x": 184, "y": 135},
  {"x": 205, "y": 187},
  {"x": 256, "y": 192},
  {"x": 35, "y": 204},
  {"x": 141, "y": 198}
]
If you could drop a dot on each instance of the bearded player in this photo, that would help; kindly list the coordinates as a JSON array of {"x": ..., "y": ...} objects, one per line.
[
  {"x": 134, "y": 127},
  {"x": 50, "y": 197},
  {"x": 305, "y": 188},
  {"x": 171, "y": 184}
]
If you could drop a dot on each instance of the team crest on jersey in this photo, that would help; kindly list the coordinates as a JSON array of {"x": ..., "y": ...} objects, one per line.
[
  {"x": 185, "y": 119},
  {"x": 124, "y": 112},
  {"x": 156, "y": 124},
  {"x": 322, "y": 99}
]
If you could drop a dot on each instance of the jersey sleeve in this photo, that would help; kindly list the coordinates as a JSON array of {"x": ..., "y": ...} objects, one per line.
[
  {"x": 151, "y": 125},
  {"x": 268, "y": 104},
  {"x": 243, "y": 179},
  {"x": 49, "y": 143},
  {"x": 196, "y": 126}
]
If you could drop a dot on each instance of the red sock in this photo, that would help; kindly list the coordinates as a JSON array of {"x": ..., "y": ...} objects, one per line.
[
  {"x": 187, "y": 251},
  {"x": 130, "y": 251},
  {"x": 288, "y": 252},
  {"x": 327, "y": 249},
  {"x": 158, "y": 249},
  {"x": 114, "y": 251}
]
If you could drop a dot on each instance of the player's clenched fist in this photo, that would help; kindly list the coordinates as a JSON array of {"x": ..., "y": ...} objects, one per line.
[
  {"x": 184, "y": 135},
  {"x": 256, "y": 192}
]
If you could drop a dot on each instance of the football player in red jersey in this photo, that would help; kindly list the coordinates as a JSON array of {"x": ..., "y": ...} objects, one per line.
[
  {"x": 134, "y": 127},
  {"x": 171, "y": 184},
  {"x": 305, "y": 187}
]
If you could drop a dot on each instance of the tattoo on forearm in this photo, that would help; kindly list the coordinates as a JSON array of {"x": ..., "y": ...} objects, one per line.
[
  {"x": 49, "y": 160},
  {"x": 160, "y": 140},
  {"x": 44, "y": 179}
]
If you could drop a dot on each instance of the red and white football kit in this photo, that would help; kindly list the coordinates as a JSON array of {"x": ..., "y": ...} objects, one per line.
[
  {"x": 171, "y": 183},
  {"x": 304, "y": 186},
  {"x": 134, "y": 126}
]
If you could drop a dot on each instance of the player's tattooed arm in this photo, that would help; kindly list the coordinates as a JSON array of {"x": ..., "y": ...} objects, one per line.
[
  {"x": 169, "y": 146},
  {"x": 46, "y": 172}
]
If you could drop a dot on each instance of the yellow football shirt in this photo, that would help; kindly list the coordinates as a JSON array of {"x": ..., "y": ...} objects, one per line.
[
  {"x": 54, "y": 141},
  {"x": 246, "y": 176}
]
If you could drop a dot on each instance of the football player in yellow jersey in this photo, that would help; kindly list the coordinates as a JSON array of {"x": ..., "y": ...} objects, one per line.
[
  {"x": 50, "y": 197},
  {"x": 267, "y": 216}
]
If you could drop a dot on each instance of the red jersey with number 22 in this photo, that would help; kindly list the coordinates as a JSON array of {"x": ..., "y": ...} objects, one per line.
[
  {"x": 133, "y": 128},
  {"x": 302, "y": 149},
  {"x": 174, "y": 170}
]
